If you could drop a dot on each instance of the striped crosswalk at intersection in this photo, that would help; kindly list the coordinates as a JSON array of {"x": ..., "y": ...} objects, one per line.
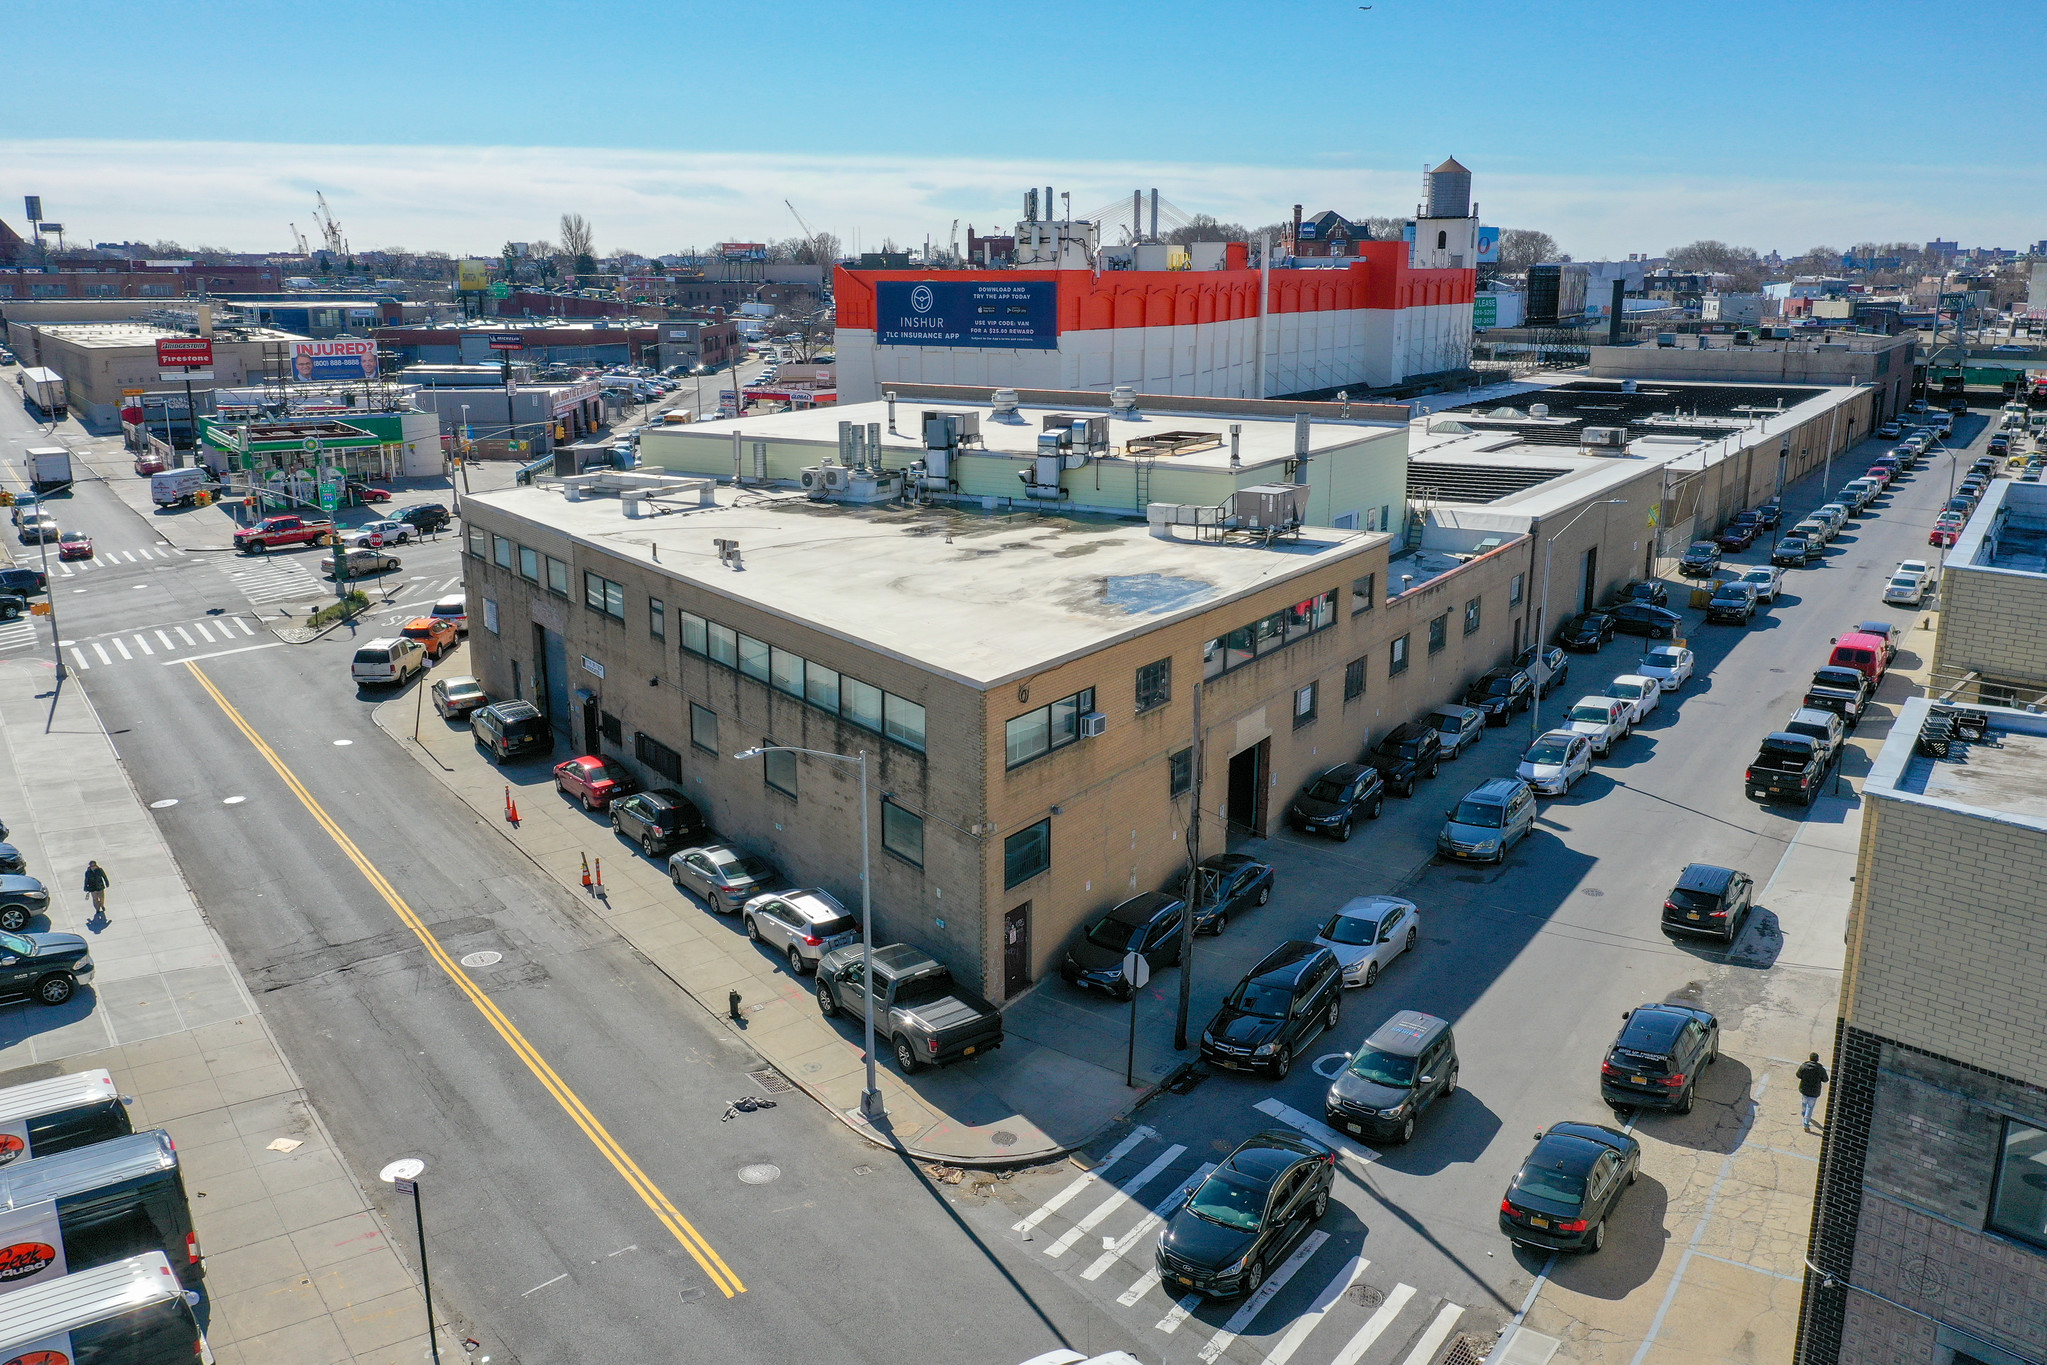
[{"x": 221, "y": 633}]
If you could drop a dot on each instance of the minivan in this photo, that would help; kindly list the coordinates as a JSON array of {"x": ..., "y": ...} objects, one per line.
[
  {"x": 1861, "y": 652},
  {"x": 1490, "y": 819},
  {"x": 1408, "y": 1063},
  {"x": 511, "y": 729},
  {"x": 132, "y": 1312},
  {"x": 92, "y": 1205},
  {"x": 43, "y": 1118},
  {"x": 388, "y": 662}
]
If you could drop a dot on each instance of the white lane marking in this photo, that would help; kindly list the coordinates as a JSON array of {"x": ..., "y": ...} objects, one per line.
[
  {"x": 1446, "y": 1317},
  {"x": 143, "y": 645},
  {"x": 101, "y": 650},
  {"x": 545, "y": 1283},
  {"x": 1115, "y": 1201},
  {"x": 1320, "y": 1131},
  {"x": 123, "y": 650},
  {"x": 183, "y": 636},
  {"x": 1145, "y": 1284},
  {"x": 65, "y": 569},
  {"x": 1177, "y": 1314},
  {"x": 166, "y": 640},
  {"x": 1336, "y": 1060},
  {"x": 1060, "y": 1200},
  {"x": 451, "y": 583},
  {"x": 1255, "y": 1305},
  {"x": 221, "y": 653},
  {"x": 128, "y": 556},
  {"x": 79, "y": 655},
  {"x": 243, "y": 624},
  {"x": 204, "y": 633},
  {"x": 1354, "y": 1350},
  {"x": 1283, "y": 1351},
  {"x": 1121, "y": 1246}
]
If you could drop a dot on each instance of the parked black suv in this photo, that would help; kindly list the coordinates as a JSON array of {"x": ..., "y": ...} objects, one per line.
[
  {"x": 1656, "y": 1060},
  {"x": 1550, "y": 668},
  {"x": 23, "y": 582},
  {"x": 1499, "y": 692},
  {"x": 1282, "y": 1003},
  {"x": 1408, "y": 753},
  {"x": 1733, "y": 604},
  {"x": 658, "y": 820},
  {"x": 1567, "y": 1187},
  {"x": 1148, "y": 924},
  {"x": 1708, "y": 901},
  {"x": 1700, "y": 560},
  {"x": 1241, "y": 1222},
  {"x": 511, "y": 728},
  {"x": 1639, "y": 618},
  {"x": 427, "y": 516},
  {"x": 1337, "y": 799},
  {"x": 1586, "y": 632}
]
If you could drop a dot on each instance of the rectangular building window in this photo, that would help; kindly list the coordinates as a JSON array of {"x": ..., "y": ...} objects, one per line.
[
  {"x": 479, "y": 542},
  {"x": 529, "y": 564},
  {"x": 1396, "y": 661},
  {"x": 703, "y": 728},
  {"x": 860, "y": 703},
  {"x": 1354, "y": 680},
  {"x": 601, "y": 594},
  {"x": 1304, "y": 705},
  {"x": 821, "y": 687},
  {"x": 902, "y": 833},
  {"x": 1471, "y": 617},
  {"x": 1039, "y": 732},
  {"x": 724, "y": 645},
  {"x": 2018, "y": 1196},
  {"x": 903, "y": 721},
  {"x": 753, "y": 657},
  {"x": 1514, "y": 589},
  {"x": 778, "y": 768},
  {"x": 1268, "y": 634},
  {"x": 658, "y": 756},
  {"x": 1180, "y": 772},
  {"x": 694, "y": 639},
  {"x": 490, "y": 615},
  {"x": 1439, "y": 631},
  {"x": 501, "y": 551},
  {"x": 1026, "y": 853},
  {"x": 657, "y": 618},
  {"x": 1361, "y": 590},
  {"x": 1154, "y": 685},
  {"x": 609, "y": 728},
  {"x": 557, "y": 576},
  {"x": 785, "y": 672}
]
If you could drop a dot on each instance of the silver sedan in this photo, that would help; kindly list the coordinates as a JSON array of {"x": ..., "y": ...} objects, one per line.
[
  {"x": 724, "y": 877},
  {"x": 1368, "y": 933}
]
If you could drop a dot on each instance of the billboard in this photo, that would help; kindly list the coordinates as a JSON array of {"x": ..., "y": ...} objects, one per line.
[
  {"x": 507, "y": 341},
  {"x": 184, "y": 353},
  {"x": 471, "y": 277},
  {"x": 344, "y": 358},
  {"x": 1488, "y": 245},
  {"x": 743, "y": 251},
  {"x": 1020, "y": 315}
]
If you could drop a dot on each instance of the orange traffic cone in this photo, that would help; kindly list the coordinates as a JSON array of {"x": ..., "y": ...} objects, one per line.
[
  {"x": 586, "y": 872},
  {"x": 514, "y": 815}
]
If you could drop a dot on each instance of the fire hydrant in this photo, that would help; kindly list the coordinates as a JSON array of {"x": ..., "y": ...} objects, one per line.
[{"x": 732, "y": 1004}]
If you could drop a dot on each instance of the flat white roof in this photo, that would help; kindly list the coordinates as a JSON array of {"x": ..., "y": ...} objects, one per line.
[{"x": 980, "y": 597}]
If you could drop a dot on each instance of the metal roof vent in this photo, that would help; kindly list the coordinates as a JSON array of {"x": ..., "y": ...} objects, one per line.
[
  {"x": 1538, "y": 410},
  {"x": 1123, "y": 399},
  {"x": 1005, "y": 401}
]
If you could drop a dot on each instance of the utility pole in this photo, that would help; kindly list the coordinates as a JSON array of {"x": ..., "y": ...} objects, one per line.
[{"x": 1193, "y": 887}]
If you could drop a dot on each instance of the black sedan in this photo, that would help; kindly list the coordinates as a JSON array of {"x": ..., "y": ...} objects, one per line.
[
  {"x": 1656, "y": 1060},
  {"x": 1767, "y": 514},
  {"x": 1737, "y": 535},
  {"x": 1701, "y": 559},
  {"x": 1500, "y": 692},
  {"x": 1586, "y": 632},
  {"x": 11, "y": 860},
  {"x": 1651, "y": 590},
  {"x": 658, "y": 820},
  {"x": 1148, "y": 924},
  {"x": 1568, "y": 1185},
  {"x": 1242, "y": 1221},
  {"x": 1230, "y": 883},
  {"x": 1337, "y": 798},
  {"x": 1795, "y": 552},
  {"x": 45, "y": 968},
  {"x": 1639, "y": 618}
]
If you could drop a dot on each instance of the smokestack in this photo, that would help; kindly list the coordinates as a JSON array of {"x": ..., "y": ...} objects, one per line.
[
  {"x": 1136, "y": 214},
  {"x": 1300, "y": 447},
  {"x": 1049, "y": 202},
  {"x": 1154, "y": 215},
  {"x": 1294, "y": 242},
  {"x": 1613, "y": 323}
]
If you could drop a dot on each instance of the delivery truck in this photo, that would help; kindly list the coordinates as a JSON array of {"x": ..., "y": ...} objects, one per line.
[
  {"x": 44, "y": 389},
  {"x": 49, "y": 468},
  {"x": 180, "y": 487}
]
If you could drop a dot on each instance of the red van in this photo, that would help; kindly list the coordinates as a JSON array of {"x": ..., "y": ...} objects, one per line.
[{"x": 1867, "y": 654}]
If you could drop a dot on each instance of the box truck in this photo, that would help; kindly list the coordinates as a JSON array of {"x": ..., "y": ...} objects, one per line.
[{"x": 45, "y": 389}]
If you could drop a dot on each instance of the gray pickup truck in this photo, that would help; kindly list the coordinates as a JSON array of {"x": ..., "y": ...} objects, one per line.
[{"x": 923, "y": 1014}]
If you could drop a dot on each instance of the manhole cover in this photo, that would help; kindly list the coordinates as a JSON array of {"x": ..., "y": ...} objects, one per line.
[
  {"x": 164, "y": 804},
  {"x": 1364, "y": 1295},
  {"x": 759, "y": 1175},
  {"x": 1002, "y": 1137},
  {"x": 483, "y": 959},
  {"x": 692, "y": 1294},
  {"x": 771, "y": 1080}
]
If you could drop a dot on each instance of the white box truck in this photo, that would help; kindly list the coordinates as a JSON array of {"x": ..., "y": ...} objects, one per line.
[
  {"x": 49, "y": 468},
  {"x": 179, "y": 487},
  {"x": 45, "y": 389}
]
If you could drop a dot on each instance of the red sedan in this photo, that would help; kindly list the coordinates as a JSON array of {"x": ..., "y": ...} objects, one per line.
[
  {"x": 1882, "y": 473},
  {"x": 1944, "y": 535},
  {"x": 593, "y": 780},
  {"x": 74, "y": 545}
]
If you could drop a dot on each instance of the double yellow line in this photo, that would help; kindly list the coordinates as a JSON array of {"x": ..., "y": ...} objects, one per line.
[{"x": 692, "y": 1241}]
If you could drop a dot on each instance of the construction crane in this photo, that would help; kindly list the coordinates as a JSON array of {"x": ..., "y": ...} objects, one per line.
[
  {"x": 816, "y": 247},
  {"x": 300, "y": 238},
  {"x": 323, "y": 218}
]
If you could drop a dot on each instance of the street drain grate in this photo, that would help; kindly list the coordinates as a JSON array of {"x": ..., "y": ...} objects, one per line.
[
  {"x": 1002, "y": 1137},
  {"x": 1466, "y": 1350},
  {"x": 1189, "y": 1076},
  {"x": 771, "y": 1080},
  {"x": 759, "y": 1175}
]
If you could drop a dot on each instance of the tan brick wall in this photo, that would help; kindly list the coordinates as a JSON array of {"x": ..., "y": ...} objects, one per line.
[{"x": 1992, "y": 622}]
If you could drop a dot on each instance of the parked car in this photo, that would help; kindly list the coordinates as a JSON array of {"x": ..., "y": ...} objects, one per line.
[
  {"x": 1557, "y": 759},
  {"x": 361, "y": 563},
  {"x": 1568, "y": 1187},
  {"x": 1407, "y": 1064},
  {"x": 1294, "y": 993},
  {"x": 1654, "y": 591},
  {"x": 358, "y": 491},
  {"x": 46, "y": 968},
  {"x": 1864, "y": 651},
  {"x": 594, "y": 779},
  {"x": 1787, "y": 767},
  {"x": 1230, "y": 883},
  {"x": 1639, "y": 618},
  {"x": 12, "y": 860},
  {"x": 1405, "y": 755},
  {"x": 802, "y": 925},
  {"x": 1655, "y": 1061},
  {"x": 1587, "y": 631},
  {"x": 1670, "y": 665},
  {"x": 435, "y": 635},
  {"x": 74, "y": 545},
  {"x": 1733, "y": 604},
  {"x": 1767, "y": 514},
  {"x": 389, "y": 662},
  {"x": 1905, "y": 590},
  {"x": 725, "y": 877},
  {"x": 1737, "y": 535},
  {"x": 453, "y": 610},
  {"x": 1640, "y": 691},
  {"x": 1602, "y": 720},
  {"x": 1795, "y": 552},
  {"x": 1499, "y": 692},
  {"x": 1845, "y": 691},
  {"x": 928, "y": 1018},
  {"x": 1243, "y": 1220},
  {"x": 1946, "y": 532},
  {"x": 1766, "y": 580},
  {"x": 658, "y": 820},
  {"x": 454, "y": 698},
  {"x": 1815, "y": 529},
  {"x": 1817, "y": 723},
  {"x": 1889, "y": 431},
  {"x": 22, "y": 898},
  {"x": 509, "y": 728},
  {"x": 1701, "y": 559},
  {"x": 1488, "y": 822},
  {"x": 1550, "y": 667},
  {"x": 1367, "y": 933},
  {"x": 1336, "y": 799},
  {"x": 424, "y": 517},
  {"x": 1148, "y": 923},
  {"x": 1457, "y": 727},
  {"x": 377, "y": 534},
  {"x": 1708, "y": 901}
]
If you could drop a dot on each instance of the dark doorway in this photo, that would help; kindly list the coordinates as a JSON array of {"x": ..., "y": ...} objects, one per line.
[
  {"x": 1247, "y": 789},
  {"x": 1517, "y": 637},
  {"x": 590, "y": 732},
  {"x": 1016, "y": 950},
  {"x": 1588, "y": 594}
]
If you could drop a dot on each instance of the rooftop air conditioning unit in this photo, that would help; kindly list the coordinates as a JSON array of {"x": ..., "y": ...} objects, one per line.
[{"x": 1604, "y": 438}]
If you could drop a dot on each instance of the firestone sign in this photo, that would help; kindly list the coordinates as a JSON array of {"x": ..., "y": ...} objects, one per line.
[{"x": 184, "y": 353}]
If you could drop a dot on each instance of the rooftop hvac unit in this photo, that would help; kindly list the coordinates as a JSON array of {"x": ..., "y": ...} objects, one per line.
[
  {"x": 950, "y": 430},
  {"x": 1604, "y": 438},
  {"x": 1270, "y": 506}
]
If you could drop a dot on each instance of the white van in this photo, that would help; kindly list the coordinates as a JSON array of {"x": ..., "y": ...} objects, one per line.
[{"x": 179, "y": 487}]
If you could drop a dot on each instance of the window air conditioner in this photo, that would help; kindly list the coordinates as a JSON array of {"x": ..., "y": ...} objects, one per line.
[{"x": 1092, "y": 724}]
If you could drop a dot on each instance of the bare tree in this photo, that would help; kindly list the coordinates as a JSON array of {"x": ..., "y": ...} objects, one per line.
[
  {"x": 1719, "y": 258},
  {"x": 1523, "y": 247},
  {"x": 1204, "y": 228},
  {"x": 1819, "y": 260},
  {"x": 579, "y": 244}
]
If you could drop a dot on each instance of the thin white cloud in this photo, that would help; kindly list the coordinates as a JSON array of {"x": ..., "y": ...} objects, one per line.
[{"x": 471, "y": 199}]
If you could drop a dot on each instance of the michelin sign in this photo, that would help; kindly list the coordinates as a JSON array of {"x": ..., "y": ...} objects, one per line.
[{"x": 1023, "y": 315}]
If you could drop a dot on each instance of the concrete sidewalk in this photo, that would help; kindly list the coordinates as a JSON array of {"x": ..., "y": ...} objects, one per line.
[{"x": 300, "y": 1267}]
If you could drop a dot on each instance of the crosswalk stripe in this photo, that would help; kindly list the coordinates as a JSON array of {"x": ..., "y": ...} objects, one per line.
[
  {"x": 183, "y": 636},
  {"x": 243, "y": 624},
  {"x": 1283, "y": 1351},
  {"x": 1061, "y": 1199},
  {"x": 1354, "y": 1350},
  {"x": 1121, "y": 1246},
  {"x": 143, "y": 645},
  {"x": 1425, "y": 1349},
  {"x": 65, "y": 569},
  {"x": 128, "y": 555},
  {"x": 204, "y": 633},
  {"x": 1115, "y": 1201},
  {"x": 1255, "y": 1305},
  {"x": 101, "y": 650},
  {"x": 166, "y": 640},
  {"x": 122, "y": 650},
  {"x": 1177, "y": 1314},
  {"x": 1146, "y": 1282},
  {"x": 79, "y": 655},
  {"x": 1315, "y": 1128}
]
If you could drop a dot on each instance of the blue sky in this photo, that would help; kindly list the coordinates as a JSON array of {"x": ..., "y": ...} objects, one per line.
[{"x": 1618, "y": 127}]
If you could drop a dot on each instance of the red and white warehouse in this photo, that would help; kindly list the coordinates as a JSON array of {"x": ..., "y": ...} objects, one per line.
[{"x": 1396, "y": 312}]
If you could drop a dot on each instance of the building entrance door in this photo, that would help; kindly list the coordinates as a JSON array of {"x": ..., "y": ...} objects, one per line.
[
  {"x": 1247, "y": 789},
  {"x": 591, "y": 735},
  {"x": 1016, "y": 950}
]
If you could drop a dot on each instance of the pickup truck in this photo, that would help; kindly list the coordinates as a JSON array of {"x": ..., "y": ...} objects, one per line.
[
  {"x": 1788, "y": 767},
  {"x": 1844, "y": 691},
  {"x": 925, "y": 1015},
  {"x": 275, "y": 532}
]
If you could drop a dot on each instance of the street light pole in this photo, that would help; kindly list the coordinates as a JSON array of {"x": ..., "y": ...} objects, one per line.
[
  {"x": 1549, "y": 548},
  {"x": 871, "y": 1107}
]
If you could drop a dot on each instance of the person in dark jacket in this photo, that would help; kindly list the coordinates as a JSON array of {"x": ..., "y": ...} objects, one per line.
[
  {"x": 1811, "y": 1076},
  {"x": 96, "y": 888}
]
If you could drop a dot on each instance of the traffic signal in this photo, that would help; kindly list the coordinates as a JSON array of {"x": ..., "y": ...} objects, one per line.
[{"x": 6, "y": 498}]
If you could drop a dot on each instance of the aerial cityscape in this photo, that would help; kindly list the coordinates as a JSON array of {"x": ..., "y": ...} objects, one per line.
[{"x": 722, "y": 755}]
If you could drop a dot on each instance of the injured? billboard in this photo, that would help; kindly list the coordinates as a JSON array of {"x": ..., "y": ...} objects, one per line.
[{"x": 343, "y": 358}]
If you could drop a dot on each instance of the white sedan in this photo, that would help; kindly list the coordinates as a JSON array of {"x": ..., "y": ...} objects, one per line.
[
  {"x": 375, "y": 535},
  {"x": 1765, "y": 580},
  {"x": 1603, "y": 720},
  {"x": 1556, "y": 760},
  {"x": 1905, "y": 590},
  {"x": 1670, "y": 665},
  {"x": 1368, "y": 933},
  {"x": 1640, "y": 691}
]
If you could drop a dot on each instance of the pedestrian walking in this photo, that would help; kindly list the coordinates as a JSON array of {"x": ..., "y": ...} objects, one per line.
[
  {"x": 1811, "y": 1076},
  {"x": 96, "y": 888}
]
